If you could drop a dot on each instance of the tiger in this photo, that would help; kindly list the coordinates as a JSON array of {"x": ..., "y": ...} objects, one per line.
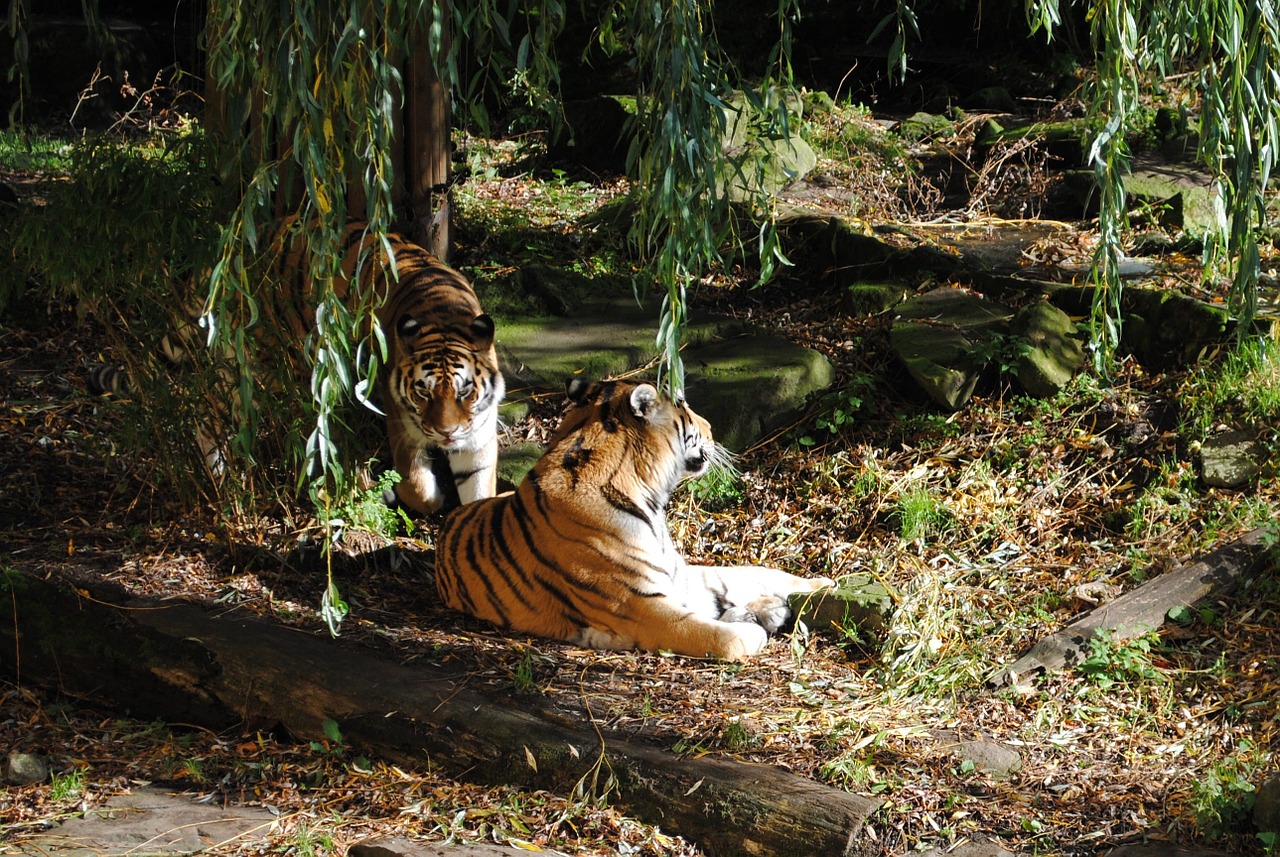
[
  {"x": 440, "y": 386},
  {"x": 580, "y": 550}
]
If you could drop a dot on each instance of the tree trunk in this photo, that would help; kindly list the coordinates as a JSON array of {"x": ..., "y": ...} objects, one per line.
[
  {"x": 426, "y": 142},
  {"x": 178, "y": 662}
]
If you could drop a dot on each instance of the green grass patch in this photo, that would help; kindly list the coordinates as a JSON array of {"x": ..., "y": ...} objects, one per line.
[{"x": 33, "y": 152}]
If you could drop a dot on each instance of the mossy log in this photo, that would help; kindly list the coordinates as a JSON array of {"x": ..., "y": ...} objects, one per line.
[{"x": 179, "y": 662}]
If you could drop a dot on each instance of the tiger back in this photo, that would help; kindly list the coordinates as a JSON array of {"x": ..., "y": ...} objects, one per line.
[{"x": 580, "y": 551}]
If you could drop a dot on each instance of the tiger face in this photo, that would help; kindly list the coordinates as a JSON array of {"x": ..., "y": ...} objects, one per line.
[{"x": 448, "y": 391}]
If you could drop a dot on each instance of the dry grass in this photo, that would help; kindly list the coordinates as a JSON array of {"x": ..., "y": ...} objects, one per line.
[{"x": 987, "y": 524}]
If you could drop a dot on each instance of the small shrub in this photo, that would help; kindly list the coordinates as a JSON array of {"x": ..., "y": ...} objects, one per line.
[{"x": 1224, "y": 795}]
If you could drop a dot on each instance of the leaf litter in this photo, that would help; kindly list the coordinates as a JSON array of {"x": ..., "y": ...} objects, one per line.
[{"x": 993, "y": 527}]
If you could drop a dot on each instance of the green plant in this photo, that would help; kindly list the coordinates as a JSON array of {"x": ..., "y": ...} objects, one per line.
[
  {"x": 839, "y": 409},
  {"x": 307, "y": 841},
  {"x": 1111, "y": 661},
  {"x": 1003, "y": 350},
  {"x": 32, "y": 151},
  {"x": 853, "y": 772},
  {"x": 921, "y": 515},
  {"x": 737, "y": 737},
  {"x": 332, "y": 743},
  {"x": 1166, "y": 501},
  {"x": 1243, "y": 386},
  {"x": 719, "y": 488},
  {"x": 368, "y": 510},
  {"x": 528, "y": 667},
  {"x": 66, "y": 786},
  {"x": 1223, "y": 796}
]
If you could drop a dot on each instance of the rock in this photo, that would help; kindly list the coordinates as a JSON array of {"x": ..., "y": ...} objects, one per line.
[
  {"x": 150, "y": 822},
  {"x": 398, "y": 846},
  {"x": 784, "y": 161},
  {"x": 1230, "y": 459},
  {"x": 1063, "y": 141},
  {"x": 998, "y": 760},
  {"x": 744, "y": 382},
  {"x": 1266, "y": 806},
  {"x": 1188, "y": 189},
  {"x": 935, "y": 337},
  {"x": 972, "y": 848},
  {"x": 857, "y": 604},
  {"x": 24, "y": 769},
  {"x": 1056, "y": 351},
  {"x": 923, "y": 126},
  {"x": 749, "y": 386},
  {"x": 515, "y": 461},
  {"x": 871, "y": 298}
]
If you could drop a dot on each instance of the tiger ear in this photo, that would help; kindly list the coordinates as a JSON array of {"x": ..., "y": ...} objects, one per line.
[
  {"x": 643, "y": 399},
  {"x": 576, "y": 389},
  {"x": 482, "y": 327}
]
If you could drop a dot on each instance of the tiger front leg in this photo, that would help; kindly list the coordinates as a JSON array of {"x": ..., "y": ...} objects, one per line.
[
  {"x": 475, "y": 472},
  {"x": 420, "y": 486}
]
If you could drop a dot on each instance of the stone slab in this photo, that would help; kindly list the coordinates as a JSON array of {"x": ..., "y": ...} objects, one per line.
[
  {"x": 148, "y": 823},
  {"x": 745, "y": 382},
  {"x": 398, "y": 846}
]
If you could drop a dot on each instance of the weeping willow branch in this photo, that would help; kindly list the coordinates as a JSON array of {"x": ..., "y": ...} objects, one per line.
[{"x": 1236, "y": 44}]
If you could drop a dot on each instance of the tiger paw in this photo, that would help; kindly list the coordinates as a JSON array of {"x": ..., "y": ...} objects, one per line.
[{"x": 747, "y": 639}]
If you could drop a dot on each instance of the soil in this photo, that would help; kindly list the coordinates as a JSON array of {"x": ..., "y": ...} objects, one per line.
[{"x": 994, "y": 527}]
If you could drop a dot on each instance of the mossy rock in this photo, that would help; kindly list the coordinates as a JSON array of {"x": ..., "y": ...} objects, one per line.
[
  {"x": 857, "y": 604},
  {"x": 1055, "y": 352},
  {"x": 936, "y": 336},
  {"x": 924, "y": 126},
  {"x": 515, "y": 462},
  {"x": 871, "y": 298},
  {"x": 750, "y": 386},
  {"x": 746, "y": 383}
]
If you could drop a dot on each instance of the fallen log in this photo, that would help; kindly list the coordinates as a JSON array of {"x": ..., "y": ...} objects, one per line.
[
  {"x": 182, "y": 663},
  {"x": 1144, "y": 609}
]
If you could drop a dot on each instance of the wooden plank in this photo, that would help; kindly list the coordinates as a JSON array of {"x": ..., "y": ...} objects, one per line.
[{"x": 1144, "y": 609}]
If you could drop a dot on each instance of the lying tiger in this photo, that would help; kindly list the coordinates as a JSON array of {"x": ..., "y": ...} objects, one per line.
[
  {"x": 581, "y": 552},
  {"x": 440, "y": 387}
]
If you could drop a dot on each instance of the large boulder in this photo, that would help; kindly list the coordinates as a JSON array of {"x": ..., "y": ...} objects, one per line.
[
  {"x": 1230, "y": 459},
  {"x": 762, "y": 164},
  {"x": 1054, "y": 351},
  {"x": 938, "y": 336},
  {"x": 745, "y": 382},
  {"x": 1193, "y": 197}
]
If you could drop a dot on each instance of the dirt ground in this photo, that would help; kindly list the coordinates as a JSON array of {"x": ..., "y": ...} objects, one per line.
[{"x": 993, "y": 527}]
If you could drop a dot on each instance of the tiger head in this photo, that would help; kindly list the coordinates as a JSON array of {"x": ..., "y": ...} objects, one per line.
[
  {"x": 629, "y": 426},
  {"x": 446, "y": 382}
]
